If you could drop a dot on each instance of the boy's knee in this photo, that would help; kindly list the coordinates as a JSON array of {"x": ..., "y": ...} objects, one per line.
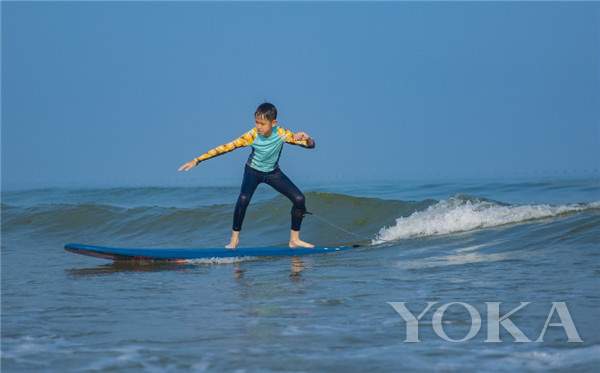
[
  {"x": 244, "y": 199},
  {"x": 299, "y": 200}
]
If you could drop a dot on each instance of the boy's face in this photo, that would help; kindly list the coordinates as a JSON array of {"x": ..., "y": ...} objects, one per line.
[{"x": 264, "y": 126}]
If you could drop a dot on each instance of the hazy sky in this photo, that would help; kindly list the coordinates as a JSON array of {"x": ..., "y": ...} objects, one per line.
[{"x": 110, "y": 93}]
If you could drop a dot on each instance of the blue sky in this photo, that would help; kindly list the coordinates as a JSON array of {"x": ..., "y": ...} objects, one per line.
[{"x": 109, "y": 93}]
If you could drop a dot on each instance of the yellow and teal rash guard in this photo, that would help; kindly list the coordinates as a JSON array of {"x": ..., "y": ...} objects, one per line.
[{"x": 266, "y": 150}]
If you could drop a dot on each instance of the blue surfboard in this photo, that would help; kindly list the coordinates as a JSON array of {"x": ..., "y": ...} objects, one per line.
[{"x": 116, "y": 253}]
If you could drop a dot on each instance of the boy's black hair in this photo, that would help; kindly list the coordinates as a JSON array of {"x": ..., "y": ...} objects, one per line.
[{"x": 266, "y": 110}]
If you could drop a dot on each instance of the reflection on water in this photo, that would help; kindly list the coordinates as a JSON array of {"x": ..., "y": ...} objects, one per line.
[
  {"x": 296, "y": 267},
  {"x": 128, "y": 266},
  {"x": 238, "y": 271}
]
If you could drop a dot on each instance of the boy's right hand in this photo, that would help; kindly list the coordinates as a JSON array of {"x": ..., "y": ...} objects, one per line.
[{"x": 188, "y": 166}]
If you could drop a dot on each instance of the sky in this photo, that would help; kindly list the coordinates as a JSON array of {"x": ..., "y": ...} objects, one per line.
[{"x": 123, "y": 93}]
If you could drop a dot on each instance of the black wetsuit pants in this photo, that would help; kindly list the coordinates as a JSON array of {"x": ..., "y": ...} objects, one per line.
[{"x": 280, "y": 183}]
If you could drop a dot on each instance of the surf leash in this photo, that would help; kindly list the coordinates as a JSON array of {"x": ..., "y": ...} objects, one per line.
[{"x": 343, "y": 230}]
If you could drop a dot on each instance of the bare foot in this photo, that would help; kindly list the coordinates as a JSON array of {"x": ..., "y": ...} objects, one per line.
[
  {"x": 232, "y": 245},
  {"x": 300, "y": 243},
  {"x": 234, "y": 241}
]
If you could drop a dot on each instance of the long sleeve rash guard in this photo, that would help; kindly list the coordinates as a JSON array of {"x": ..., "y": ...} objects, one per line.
[{"x": 266, "y": 150}]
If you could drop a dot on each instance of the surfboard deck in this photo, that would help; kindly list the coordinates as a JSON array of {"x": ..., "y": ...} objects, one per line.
[{"x": 179, "y": 254}]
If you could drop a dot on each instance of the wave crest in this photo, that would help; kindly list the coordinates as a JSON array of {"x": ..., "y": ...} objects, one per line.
[{"x": 460, "y": 213}]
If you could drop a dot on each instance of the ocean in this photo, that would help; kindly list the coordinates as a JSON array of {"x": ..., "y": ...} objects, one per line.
[{"x": 461, "y": 246}]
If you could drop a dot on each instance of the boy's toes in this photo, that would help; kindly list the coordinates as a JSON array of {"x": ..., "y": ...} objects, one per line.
[{"x": 300, "y": 243}]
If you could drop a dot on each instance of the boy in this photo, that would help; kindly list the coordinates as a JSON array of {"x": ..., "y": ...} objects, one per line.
[{"x": 266, "y": 140}]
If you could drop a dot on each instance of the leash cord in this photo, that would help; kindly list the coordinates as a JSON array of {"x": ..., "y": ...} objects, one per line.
[{"x": 342, "y": 229}]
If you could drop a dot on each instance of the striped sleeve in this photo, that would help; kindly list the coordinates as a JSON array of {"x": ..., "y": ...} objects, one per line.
[
  {"x": 288, "y": 137},
  {"x": 245, "y": 140}
]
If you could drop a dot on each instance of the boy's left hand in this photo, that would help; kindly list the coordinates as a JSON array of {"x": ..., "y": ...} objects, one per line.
[
  {"x": 299, "y": 136},
  {"x": 188, "y": 166}
]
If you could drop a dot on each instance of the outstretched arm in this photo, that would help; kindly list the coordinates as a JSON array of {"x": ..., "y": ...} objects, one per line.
[
  {"x": 299, "y": 138},
  {"x": 244, "y": 140}
]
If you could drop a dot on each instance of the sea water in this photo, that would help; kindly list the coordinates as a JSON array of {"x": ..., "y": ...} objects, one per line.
[{"x": 470, "y": 242}]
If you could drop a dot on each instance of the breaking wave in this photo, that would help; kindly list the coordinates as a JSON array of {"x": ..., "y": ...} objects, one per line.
[{"x": 460, "y": 214}]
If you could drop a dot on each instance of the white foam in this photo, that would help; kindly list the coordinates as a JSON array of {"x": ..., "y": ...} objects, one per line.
[
  {"x": 459, "y": 215},
  {"x": 553, "y": 358},
  {"x": 216, "y": 260},
  {"x": 449, "y": 260}
]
